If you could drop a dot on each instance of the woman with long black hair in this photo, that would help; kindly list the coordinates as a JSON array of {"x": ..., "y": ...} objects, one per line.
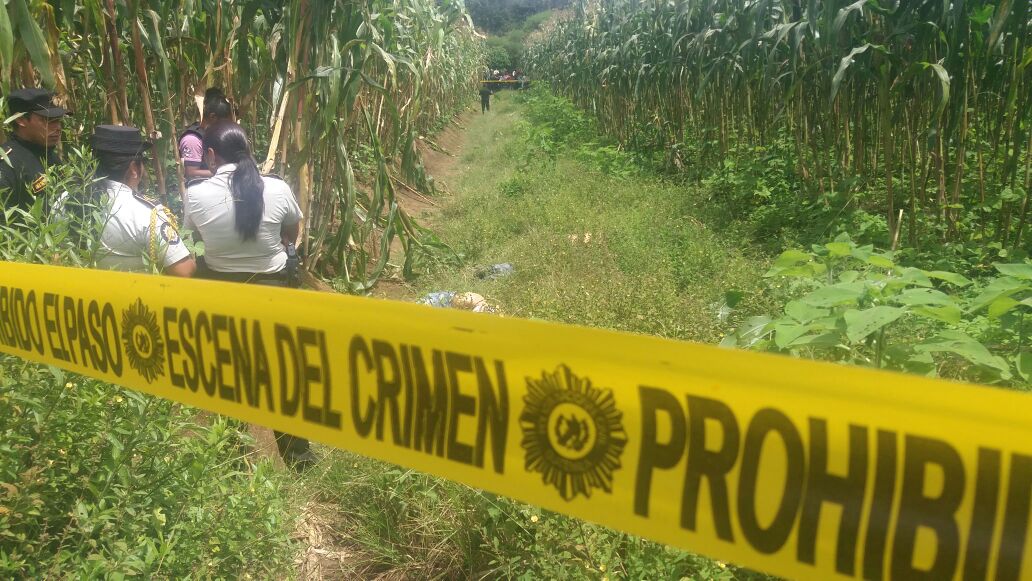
[{"x": 246, "y": 220}]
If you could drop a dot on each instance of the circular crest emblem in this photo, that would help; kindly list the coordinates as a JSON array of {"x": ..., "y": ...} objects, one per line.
[
  {"x": 142, "y": 340},
  {"x": 169, "y": 233},
  {"x": 572, "y": 433}
]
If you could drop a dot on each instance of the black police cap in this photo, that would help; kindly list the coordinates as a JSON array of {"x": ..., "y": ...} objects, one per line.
[
  {"x": 39, "y": 101},
  {"x": 119, "y": 139}
]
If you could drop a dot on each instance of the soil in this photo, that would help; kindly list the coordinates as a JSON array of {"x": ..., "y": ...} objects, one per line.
[
  {"x": 441, "y": 154},
  {"x": 324, "y": 553}
]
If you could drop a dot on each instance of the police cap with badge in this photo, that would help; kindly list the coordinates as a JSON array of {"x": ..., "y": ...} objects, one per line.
[
  {"x": 119, "y": 140},
  {"x": 23, "y": 163},
  {"x": 38, "y": 101}
]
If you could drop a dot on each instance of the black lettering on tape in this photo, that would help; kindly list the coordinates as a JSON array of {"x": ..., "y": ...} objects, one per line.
[
  {"x": 363, "y": 421},
  {"x": 461, "y": 404},
  {"x": 410, "y": 407},
  {"x": 82, "y": 329},
  {"x": 191, "y": 365},
  {"x": 772, "y": 538},
  {"x": 169, "y": 318},
  {"x": 1015, "y": 519},
  {"x": 493, "y": 415},
  {"x": 109, "y": 322},
  {"x": 881, "y": 506},
  {"x": 712, "y": 465},
  {"x": 655, "y": 454},
  {"x": 36, "y": 330},
  {"x": 847, "y": 491},
  {"x": 70, "y": 332},
  {"x": 290, "y": 375},
  {"x": 936, "y": 512},
  {"x": 207, "y": 375},
  {"x": 262, "y": 373},
  {"x": 983, "y": 517},
  {"x": 243, "y": 361},
  {"x": 388, "y": 388},
  {"x": 431, "y": 407},
  {"x": 50, "y": 318},
  {"x": 315, "y": 376},
  {"x": 98, "y": 346},
  {"x": 220, "y": 327}
]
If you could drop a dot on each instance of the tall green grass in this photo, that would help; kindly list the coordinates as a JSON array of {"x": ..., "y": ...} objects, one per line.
[{"x": 530, "y": 179}]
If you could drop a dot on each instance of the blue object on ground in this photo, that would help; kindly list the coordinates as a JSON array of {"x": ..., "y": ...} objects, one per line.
[
  {"x": 442, "y": 299},
  {"x": 496, "y": 271}
]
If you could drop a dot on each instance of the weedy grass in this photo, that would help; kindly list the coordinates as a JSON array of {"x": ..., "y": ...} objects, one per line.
[
  {"x": 591, "y": 245},
  {"x": 588, "y": 247},
  {"x": 99, "y": 481}
]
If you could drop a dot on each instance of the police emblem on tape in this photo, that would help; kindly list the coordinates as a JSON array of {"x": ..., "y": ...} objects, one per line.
[
  {"x": 572, "y": 433},
  {"x": 142, "y": 340}
]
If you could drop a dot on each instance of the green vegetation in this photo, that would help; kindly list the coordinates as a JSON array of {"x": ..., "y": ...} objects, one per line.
[
  {"x": 500, "y": 16},
  {"x": 904, "y": 126},
  {"x": 598, "y": 239},
  {"x": 685, "y": 147},
  {"x": 505, "y": 47},
  {"x": 594, "y": 242},
  {"x": 857, "y": 305},
  {"x": 320, "y": 85},
  {"x": 97, "y": 481}
]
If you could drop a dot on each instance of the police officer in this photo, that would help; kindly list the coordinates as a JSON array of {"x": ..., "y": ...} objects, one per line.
[
  {"x": 247, "y": 222},
  {"x": 191, "y": 152},
  {"x": 138, "y": 232},
  {"x": 485, "y": 98},
  {"x": 31, "y": 149}
]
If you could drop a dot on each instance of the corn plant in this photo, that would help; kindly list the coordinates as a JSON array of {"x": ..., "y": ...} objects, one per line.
[
  {"x": 924, "y": 104},
  {"x": 313, "y": 81}
]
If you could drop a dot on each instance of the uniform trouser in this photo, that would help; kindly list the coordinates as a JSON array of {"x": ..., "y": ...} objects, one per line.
[
  {"x": 485, "y": 104},
  {"x": 292, "y": 449}
]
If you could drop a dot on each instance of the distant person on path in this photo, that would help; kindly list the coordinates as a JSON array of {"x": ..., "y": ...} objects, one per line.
[
  {"x": 31, "y": 148},
  {"x": 485, "y": 99},
  {"x": 216, "y": 108}
]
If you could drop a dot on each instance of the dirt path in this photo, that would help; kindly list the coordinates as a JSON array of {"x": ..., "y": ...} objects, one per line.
[
  {"x": 441, "y": 155},
  {"x": 323, "y": 548}
]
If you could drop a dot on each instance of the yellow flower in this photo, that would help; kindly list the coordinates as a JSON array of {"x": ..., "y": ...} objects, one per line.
[
  {"x": 69, "y": 385},
  {"x": 534, "y": 518},
  {"x": 602, "y": 567}
]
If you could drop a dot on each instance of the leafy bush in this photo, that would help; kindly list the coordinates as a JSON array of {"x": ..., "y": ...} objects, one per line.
[
  {"x": 850, "y": 303},
  {"x": 100, "y": 481}
]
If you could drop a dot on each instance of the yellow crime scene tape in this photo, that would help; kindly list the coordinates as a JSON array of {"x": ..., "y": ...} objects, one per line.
[{"x": 801, "y": 469}]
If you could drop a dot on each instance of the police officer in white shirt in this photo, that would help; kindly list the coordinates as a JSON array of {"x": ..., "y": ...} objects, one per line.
[
  {"x": 246, "y": 221},
  {"x": 139, "y": 234}
]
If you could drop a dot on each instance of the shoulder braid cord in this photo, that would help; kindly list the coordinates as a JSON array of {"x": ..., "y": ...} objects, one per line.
[{"x": 153, "y": 245}]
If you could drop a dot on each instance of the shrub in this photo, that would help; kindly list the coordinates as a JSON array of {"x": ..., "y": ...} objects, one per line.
[{"x": 102, "y": 481}]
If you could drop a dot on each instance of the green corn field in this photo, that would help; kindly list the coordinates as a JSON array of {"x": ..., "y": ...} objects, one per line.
[
  {"x": 925, "y": 102},
  {"x": 322, "y": 86}
]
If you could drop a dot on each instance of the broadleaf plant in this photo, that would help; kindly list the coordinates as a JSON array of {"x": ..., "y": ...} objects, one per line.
[{"x": 857, "y": 305}]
